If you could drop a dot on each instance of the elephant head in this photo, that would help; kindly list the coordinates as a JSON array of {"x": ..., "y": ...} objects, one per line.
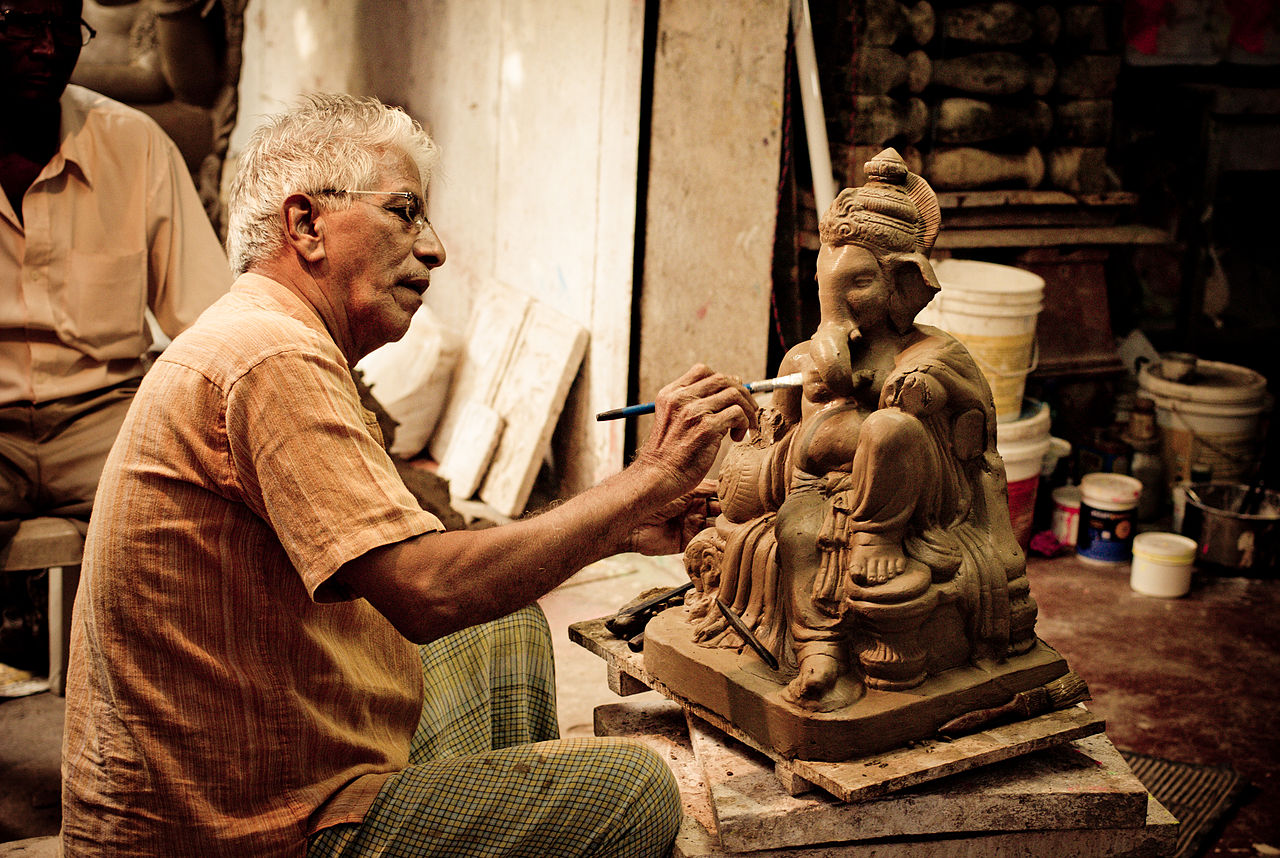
[{"x": 894, "y": 218}]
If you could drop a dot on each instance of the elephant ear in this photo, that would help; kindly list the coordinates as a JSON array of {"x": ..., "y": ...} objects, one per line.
[
  {"x": 930, "y": 220},
  {"x": 914, "y": 285}
]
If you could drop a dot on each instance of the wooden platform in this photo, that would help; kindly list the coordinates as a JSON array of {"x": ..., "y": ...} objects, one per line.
[
  {"x": 868, "y": 777},
  {"x": 1078, "y": 799}
]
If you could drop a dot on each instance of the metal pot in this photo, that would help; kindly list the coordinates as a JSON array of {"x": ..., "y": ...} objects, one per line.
[{"x": 1228, "y": 538}]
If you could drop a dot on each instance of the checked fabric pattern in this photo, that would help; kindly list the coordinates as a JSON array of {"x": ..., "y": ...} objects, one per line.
[{"x": 487, "y": 775}]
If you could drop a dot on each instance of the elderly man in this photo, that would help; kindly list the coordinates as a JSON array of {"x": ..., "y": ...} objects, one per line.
[
  {"x": 243, "y": 677},
  {"x": 99, "y": 221}
]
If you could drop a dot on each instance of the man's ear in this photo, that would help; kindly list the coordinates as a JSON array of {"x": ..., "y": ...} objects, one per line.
[{"x": 303, "y": 229}]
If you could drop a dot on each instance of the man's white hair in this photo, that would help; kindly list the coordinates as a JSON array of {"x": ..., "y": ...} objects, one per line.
[{"x": 330, "y": 142}]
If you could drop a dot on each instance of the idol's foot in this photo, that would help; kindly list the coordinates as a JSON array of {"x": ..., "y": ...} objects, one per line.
[
  {"x": 821, "y": 685},
  {"x": 877, "y": 562}
]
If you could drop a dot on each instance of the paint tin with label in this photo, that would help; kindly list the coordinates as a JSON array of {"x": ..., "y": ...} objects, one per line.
[{"x": 1108, "y": 511}]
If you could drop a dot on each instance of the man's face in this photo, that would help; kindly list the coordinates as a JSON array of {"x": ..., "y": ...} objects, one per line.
[
  {"x": 380, "y": 263},
  {"x": 39, "y": 45}
]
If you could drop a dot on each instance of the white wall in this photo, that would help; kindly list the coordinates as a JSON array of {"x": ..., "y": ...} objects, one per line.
[{"x": 535, "y": 104}]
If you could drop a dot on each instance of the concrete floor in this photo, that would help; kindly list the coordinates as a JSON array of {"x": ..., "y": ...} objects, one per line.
[{"x": 1194, "y": 679}]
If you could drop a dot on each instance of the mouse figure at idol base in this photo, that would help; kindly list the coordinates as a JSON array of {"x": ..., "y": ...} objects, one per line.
[{"x": 863, "y": 585}]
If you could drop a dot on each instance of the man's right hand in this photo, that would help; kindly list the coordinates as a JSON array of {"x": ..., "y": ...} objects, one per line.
[{"x": 691, "y": 416}]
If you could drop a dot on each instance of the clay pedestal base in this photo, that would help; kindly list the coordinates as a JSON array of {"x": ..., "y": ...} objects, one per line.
[
  {"x": 855, "y": 780},
  {"x": 741, "y": 689}
]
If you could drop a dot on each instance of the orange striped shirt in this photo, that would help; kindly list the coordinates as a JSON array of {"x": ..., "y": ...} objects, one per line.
[{"x": 224, "y": 696}]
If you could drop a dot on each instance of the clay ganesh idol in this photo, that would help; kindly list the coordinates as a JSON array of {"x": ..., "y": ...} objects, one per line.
[{"x": 864, "y": 540}]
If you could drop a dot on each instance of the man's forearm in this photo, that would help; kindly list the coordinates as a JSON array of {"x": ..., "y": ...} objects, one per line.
[{"x": 438, "y": 583}]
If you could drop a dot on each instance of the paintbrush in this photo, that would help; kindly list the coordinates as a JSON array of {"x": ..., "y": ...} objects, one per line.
[
  {"x": 763, "y": 386},
  {"x": 1067, "y": 690}
]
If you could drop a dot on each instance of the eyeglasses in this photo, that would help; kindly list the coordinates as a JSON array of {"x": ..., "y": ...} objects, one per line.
[
  {"x": 32, "y": 26},
  {"x": 413, "y": 212}
]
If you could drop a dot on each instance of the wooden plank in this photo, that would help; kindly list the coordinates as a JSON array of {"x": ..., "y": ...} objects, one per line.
[
  {"x": 471, "y": 449},
  {"x": 491, "y": 340},
  {"x": 718, "y": 92},
  {"x": 955, "y": 200},
  {"x": 930, "y": 760},
  {"x": 1050, "y": 236},
  {"x": 530, "y": 396}
]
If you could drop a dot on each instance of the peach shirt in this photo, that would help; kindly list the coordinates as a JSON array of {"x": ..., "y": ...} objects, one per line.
[
  {"x": 224, "y": 696},
  {"x": 111, "y": 226}
]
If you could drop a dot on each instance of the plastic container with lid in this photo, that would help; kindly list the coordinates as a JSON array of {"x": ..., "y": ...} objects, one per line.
[
  {"x": 1108, "y": 504},
  {"x": 1162, "y": 564}
]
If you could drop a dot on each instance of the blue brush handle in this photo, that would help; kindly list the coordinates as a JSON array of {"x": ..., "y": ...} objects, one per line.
[{"x": 764, "y": 386}]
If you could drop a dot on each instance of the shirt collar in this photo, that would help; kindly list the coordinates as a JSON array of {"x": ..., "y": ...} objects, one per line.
[
  {"x": 75, "y": 142},
  {"x": 284, "y": 298}
]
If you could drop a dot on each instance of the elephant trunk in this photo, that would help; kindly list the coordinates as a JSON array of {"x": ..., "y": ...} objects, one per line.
[{"x": 829, "y": 347}]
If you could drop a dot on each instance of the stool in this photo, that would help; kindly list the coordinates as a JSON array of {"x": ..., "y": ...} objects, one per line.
[{"x": 54, "y": 544}]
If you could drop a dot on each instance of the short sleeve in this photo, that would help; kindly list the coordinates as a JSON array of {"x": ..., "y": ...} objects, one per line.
[{"x": 308, "y": 463}]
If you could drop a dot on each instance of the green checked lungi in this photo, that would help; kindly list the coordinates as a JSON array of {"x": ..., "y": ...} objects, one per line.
[{"x": 488, "y": 776}]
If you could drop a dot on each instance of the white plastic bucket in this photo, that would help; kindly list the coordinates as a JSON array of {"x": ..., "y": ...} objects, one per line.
[
  {"x": 992, "y": 309},
  {"x": 1108, "y": 508},
  {"x": 1023, "y": 444},
  {"x": 1162, "y": 564},
  {"x": 1210, "y": 417}
]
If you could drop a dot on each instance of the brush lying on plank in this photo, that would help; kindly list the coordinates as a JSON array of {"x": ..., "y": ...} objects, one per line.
[{"x": 1066, "y": 690}]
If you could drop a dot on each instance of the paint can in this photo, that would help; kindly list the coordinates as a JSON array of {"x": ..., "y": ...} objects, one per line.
[
  {"x": 1066, "y": 514},
  {"x": 1162, "y": 564},
  {"x": 1108, "y": 511},
  {"x": 992, "y": 309}
]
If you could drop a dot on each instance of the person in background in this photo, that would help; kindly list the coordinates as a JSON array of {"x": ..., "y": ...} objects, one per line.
[
  {"x": 99, "y": 223},
  {"x": 275, "y": 651}
]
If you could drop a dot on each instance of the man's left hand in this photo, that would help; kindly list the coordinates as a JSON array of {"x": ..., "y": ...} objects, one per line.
[{"x": 669, "y": 529}]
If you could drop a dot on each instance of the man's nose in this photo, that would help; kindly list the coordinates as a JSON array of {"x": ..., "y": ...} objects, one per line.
[
  {"x": 44, "y": 42},
  {"x": 428, "y": 248}
]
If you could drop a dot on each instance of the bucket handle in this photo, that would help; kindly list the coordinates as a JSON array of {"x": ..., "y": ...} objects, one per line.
[{"x": 988, "y": 369}]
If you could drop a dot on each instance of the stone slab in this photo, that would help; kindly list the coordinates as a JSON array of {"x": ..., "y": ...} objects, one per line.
[
  {"x": 1155, "y": 839},
  {"x": 1079, "y": 785},
  {"x": 660, "y": 725},
  {"x": 868, "y": 777},
  {"x": 738, "y": 686}
]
